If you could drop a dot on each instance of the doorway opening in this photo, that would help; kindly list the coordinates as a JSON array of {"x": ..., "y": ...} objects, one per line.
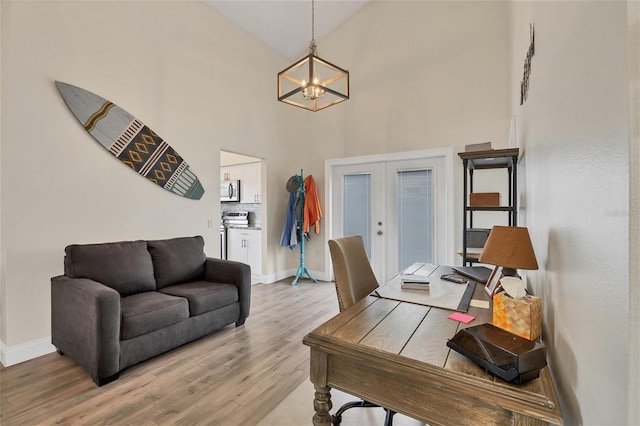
[{"x": 243, "y": 210}]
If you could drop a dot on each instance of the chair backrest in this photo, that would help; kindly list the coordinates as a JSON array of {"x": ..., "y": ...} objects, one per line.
[{"x": 354, "y": 277}]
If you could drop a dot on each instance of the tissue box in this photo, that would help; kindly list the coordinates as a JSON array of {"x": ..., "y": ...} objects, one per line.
[{"x": 518, "y": 316}]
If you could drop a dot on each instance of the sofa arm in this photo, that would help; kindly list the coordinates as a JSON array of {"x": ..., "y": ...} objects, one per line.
[
  {"x": 85, "y": 325},
  {"x": 228, "y": 271}
]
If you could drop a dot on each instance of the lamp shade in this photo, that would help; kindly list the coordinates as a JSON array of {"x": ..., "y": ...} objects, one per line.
[{"x": 509, "y": 247}]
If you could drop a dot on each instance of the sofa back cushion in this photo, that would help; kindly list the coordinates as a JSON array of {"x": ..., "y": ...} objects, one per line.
[
  {"x": 124, "y": 266},
  {"x": 177, "y": 260}
]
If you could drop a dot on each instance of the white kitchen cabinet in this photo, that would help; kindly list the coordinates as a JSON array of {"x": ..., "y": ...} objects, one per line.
[
  {"x": 245, "y": 245},
  {"x": 231, "y": 172},
  {"x": 251, "y": 185},
  {"x": 250, "y": 177}
]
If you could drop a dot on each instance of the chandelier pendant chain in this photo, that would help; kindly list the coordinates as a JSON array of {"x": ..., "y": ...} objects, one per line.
[
  {"x": 312, "y": 46},
  {"x": 312, "y": 89}
]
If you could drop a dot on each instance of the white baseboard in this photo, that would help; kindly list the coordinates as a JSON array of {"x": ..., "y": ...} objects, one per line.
[{"x": 16, "y": 354}]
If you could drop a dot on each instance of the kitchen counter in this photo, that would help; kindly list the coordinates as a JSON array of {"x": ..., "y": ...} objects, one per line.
[{"x": 251, "y": 228}]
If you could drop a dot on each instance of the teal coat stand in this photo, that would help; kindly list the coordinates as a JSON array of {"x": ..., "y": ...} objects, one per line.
[{"x": 302, "y": 269}]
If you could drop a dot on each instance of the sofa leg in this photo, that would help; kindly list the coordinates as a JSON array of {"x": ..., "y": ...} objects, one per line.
[
  {"x": 103, "y": 381},
  {"x": 239, "y": 323},
  {"x": 59, "y": 352}
]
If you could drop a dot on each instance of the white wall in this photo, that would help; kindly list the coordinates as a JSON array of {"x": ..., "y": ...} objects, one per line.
[
  {"x": 574, "y": 132},
  {"x": 177, "y": 66},
  {"x": 232, "y": 158},
  {"x": 634, "y": 210},
  {"x": 3, "y": 316},
  {"x": 437, "y": 80},
  {"x": 423, "y": 75}
]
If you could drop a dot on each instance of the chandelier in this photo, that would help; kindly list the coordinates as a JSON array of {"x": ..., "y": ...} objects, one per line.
[{"x": 313, "y": 83}]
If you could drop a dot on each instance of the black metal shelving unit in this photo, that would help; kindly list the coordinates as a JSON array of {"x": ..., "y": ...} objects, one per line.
[{"x": 482, "y": 160}]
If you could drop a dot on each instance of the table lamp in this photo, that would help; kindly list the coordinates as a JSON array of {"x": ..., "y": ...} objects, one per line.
[{"x": 508, "y": 247}]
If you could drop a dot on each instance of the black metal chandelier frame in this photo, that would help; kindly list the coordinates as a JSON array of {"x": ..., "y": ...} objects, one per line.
[{"x": 300, "y": 85}]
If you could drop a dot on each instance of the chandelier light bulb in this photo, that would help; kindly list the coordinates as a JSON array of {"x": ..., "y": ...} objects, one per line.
[{"x": 315, "y": 91}]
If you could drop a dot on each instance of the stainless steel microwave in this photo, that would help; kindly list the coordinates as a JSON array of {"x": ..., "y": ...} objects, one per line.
[{"x": 229, "y": 190}]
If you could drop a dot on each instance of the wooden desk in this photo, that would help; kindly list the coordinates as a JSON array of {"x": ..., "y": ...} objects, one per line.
[{"x": 395, "y": 355}]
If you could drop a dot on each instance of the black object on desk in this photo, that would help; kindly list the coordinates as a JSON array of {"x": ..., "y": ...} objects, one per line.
[
  {"x": 478, "y": 273},
  {"x": 507, "y": 355}
]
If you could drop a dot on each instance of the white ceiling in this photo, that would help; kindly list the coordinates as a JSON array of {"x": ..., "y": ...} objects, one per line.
[{"x": 285, "y": 25}]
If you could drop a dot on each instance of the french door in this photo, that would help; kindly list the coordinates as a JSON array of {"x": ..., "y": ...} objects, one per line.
[{"x": 398, "y": 205}]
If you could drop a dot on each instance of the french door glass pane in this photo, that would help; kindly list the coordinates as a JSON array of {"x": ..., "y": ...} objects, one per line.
[
  {"x": 357, "y": 207},
  {"x": 415, "y": 217}
]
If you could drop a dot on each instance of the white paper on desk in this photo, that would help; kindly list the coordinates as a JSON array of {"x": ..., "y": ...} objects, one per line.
[
  {"x": 441, "y": 294},
  {"x": 484, "y": 304}
]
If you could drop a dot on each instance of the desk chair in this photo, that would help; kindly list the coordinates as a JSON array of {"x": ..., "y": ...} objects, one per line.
[{"x": 354, "y": 281}]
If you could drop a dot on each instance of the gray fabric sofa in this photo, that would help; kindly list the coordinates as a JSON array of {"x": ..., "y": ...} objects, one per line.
[{"x": 121, "y": 303}]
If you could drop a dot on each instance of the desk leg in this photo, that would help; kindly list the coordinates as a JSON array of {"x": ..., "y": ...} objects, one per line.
[{"x": 322, "y": 405}]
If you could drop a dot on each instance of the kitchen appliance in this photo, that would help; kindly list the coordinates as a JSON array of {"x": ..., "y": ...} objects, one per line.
[
  {"x": 229, "y": 191},
  {"x": 231, "y": 220},
  {"x": 238, "y": 219},
  {"x": 223, "y": 242}
]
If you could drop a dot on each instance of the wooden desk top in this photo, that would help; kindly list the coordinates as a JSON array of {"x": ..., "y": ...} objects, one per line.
[{"x": 404, "y": 346}]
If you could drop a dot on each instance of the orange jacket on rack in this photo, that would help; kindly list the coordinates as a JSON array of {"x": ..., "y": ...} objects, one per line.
[{"x": 312, "y": 211}]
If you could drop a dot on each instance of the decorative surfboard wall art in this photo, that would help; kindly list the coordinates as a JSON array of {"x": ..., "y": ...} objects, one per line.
[{"x": 132, "y": 142}]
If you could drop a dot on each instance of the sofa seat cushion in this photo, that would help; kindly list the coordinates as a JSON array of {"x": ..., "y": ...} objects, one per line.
[
  {"x": 124, "y": 266},
  {"x": 204, "y": 296},
  {"x": 177, "y": 260},
  {"x": 149, "y": 311}
]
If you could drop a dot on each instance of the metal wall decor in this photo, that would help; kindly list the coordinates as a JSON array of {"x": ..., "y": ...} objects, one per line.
[
  {"x": 313, "y": 83},
  {"x": 524, "y": 84}
]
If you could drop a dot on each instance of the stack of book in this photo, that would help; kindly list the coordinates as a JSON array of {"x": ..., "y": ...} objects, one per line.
[{"x": 414, "y": 282}]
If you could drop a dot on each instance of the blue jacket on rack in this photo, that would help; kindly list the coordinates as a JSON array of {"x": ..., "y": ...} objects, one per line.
[{"x": 289, "y": 235}]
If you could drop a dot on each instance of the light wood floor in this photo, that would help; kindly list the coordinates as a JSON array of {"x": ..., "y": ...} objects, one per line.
[{"x": 233, "y": 377}]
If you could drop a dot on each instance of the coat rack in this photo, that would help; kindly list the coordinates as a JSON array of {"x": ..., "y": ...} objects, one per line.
[{"x": 302, "y": 269}]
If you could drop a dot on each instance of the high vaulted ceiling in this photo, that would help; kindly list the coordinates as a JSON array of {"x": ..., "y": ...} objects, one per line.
[{"x": 285, "y": 25}]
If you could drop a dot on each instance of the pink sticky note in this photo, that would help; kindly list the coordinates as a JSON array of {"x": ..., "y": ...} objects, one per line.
[{"x": 458, "y": 316}]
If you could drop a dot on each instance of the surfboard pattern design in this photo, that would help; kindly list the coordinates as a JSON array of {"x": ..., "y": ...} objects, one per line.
[{"x": 131, "y": 142}]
